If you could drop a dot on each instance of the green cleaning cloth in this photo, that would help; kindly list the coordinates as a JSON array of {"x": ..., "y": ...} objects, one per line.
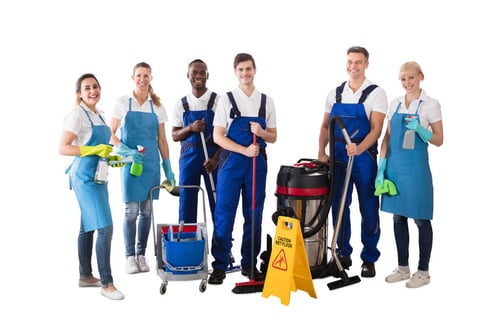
[{"x": 388, "y": 187}]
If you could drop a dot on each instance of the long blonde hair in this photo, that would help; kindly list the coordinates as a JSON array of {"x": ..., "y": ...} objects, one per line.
[{"x": 156, "y": 99}]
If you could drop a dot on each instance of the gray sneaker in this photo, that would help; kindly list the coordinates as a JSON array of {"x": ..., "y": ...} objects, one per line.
[
  {"x": 418, "y": 280},
  {"x": 398, "y": 274},
  {"x": 142, "y": 263},
  {"x": 131, "y": 265}
]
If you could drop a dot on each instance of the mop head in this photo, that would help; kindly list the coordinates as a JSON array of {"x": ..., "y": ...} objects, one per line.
[{"x": 249, "y": 287}]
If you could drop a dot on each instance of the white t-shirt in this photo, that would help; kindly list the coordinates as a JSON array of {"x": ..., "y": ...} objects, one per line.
[
  {"x": 195, "y": 104},
  {"x": 429, "y": 111},
  {"x": 376, "y": 100},
  {"x": 121, "y": 108},
  {"x": 248, "y": 105},
  {"x": 76, "y": 121}
]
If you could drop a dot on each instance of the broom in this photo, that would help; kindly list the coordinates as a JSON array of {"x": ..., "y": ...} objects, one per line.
[{"x": 251, "y": 286}]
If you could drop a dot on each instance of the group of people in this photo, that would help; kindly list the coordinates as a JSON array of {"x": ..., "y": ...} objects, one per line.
[
  {"x": 223, "y": 141},
  {"x": 141, "y": 119},
  {"x": 402, "y": 176}
]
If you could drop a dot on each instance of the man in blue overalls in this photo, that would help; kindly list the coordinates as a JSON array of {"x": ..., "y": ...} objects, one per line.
[
  {"x": 245, "y": 121},
  {"x": 192, "y": 118},
  {"x": 362, "y": 107}
]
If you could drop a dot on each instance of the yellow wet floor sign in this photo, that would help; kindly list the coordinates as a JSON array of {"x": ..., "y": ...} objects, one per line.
[{"x": 288, "y": 268}]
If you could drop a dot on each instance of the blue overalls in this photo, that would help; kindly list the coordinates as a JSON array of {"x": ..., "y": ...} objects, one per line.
[
  {"x": 191, "y": 162},
  {"x": 235, "y": 176},
  {"x": 364, "y": 170},
  {"x": 92, "y": 197},
  {"x": 141, "y": 128},
  {"x": 409, "y": 170}
]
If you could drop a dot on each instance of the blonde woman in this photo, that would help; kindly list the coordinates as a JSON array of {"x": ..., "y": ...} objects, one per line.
[
  {"x": 141, "y": 118},
  {"x": 414, "y": 122}
]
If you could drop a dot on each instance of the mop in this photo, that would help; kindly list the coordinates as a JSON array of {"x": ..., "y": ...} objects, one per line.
[
  {"x": 175, "y": 190},
  {"x": 345, "y": 280},
  {"x": 251, "y": 286},
  {"x": 212, "y": 184}
]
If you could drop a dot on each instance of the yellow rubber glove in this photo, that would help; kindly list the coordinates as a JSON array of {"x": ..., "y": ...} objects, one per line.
[
  {"x": 102, "y": 150},
  {"x": 115, "y": 161}
]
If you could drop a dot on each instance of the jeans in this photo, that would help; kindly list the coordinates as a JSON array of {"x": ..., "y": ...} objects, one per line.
[
  {"x": 402, "y": 236},
  {"x": 103, "y": 253},
  {"x": 130, "y": 229}
]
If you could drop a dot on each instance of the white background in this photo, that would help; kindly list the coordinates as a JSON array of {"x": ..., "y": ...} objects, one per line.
[{"x": 299, "y": 48}]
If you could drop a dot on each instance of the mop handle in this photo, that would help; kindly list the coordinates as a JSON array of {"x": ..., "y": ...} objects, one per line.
[
  {"x": 202, "y": 135},
  {"x": 254, "y": 161},
  {"x": 252, "y": 247}
]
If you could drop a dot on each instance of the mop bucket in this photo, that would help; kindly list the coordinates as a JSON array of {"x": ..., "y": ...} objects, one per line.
[{"x": 184, "y": 249}]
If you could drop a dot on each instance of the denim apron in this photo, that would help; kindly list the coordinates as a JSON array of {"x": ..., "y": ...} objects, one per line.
[
  {"x": 92, "y": 197},
  {"x": 409, "y": 170},
  {"x": 141, "y": 128}
]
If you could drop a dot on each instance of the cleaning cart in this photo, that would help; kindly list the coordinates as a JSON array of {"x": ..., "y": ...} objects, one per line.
[{"x": 181, "y": 249}]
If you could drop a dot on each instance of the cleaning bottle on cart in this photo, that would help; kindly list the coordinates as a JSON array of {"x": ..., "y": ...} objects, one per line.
[
  {"x": 101, "y": 172},
  {"x": 136, "y": 167}
]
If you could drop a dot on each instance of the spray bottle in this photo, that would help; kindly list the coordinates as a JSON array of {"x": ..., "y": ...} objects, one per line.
[
  {"x": 136, "y": 168},
  {"x": 409, "y": 138},
  {"x": 101, "y": 172}
]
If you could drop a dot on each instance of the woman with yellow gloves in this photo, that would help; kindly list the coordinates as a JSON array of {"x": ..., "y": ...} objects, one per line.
[{"x": 86, "y": 136}]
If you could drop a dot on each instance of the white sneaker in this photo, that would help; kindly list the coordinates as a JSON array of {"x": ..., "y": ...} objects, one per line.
[
  {"x": 418, "y": 280},
  {"x": 142, "y": 263},
  {"x": 131, "y": 265},
  {"x": 115, "y": 295},
  {"x": 398, "y": 274}
]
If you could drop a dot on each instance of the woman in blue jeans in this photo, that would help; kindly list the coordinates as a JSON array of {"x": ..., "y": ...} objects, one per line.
[
  {"x": 414, "y": 121},
  {"x": 141, "y": 118},
  {"x": 86, "y": 136}
]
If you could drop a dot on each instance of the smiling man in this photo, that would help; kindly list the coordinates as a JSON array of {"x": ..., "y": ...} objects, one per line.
[
  {"x": 362, "y": 107},
  {"x": 245, "y": 121}
]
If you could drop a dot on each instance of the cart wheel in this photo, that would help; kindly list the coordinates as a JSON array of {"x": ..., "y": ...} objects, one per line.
[
  {"x": 163, "y": 288},
  {"x": 203, "y": 285}
]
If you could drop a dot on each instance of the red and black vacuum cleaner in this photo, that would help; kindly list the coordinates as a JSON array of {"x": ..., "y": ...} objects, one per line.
[{"x": 304, "y": 191}]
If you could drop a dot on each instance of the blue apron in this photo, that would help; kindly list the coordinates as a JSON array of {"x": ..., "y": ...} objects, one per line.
[
  {"x": 92, "y": 198},
  {"x": 141, "y": 128},
  {"x": 235, "y": 176},
  {"x": 409, "y": 170},
  {"x": 191, "y": 162}
]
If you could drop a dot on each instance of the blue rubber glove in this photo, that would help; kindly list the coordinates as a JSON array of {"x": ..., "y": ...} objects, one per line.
[
  {"x": 379, "y": 180},
  {"x": 124, "y": 151},
  {"x": 167, "y": 169},
  {"x": 422, "y": 132},
  {"x": 101, "y": 150}
]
